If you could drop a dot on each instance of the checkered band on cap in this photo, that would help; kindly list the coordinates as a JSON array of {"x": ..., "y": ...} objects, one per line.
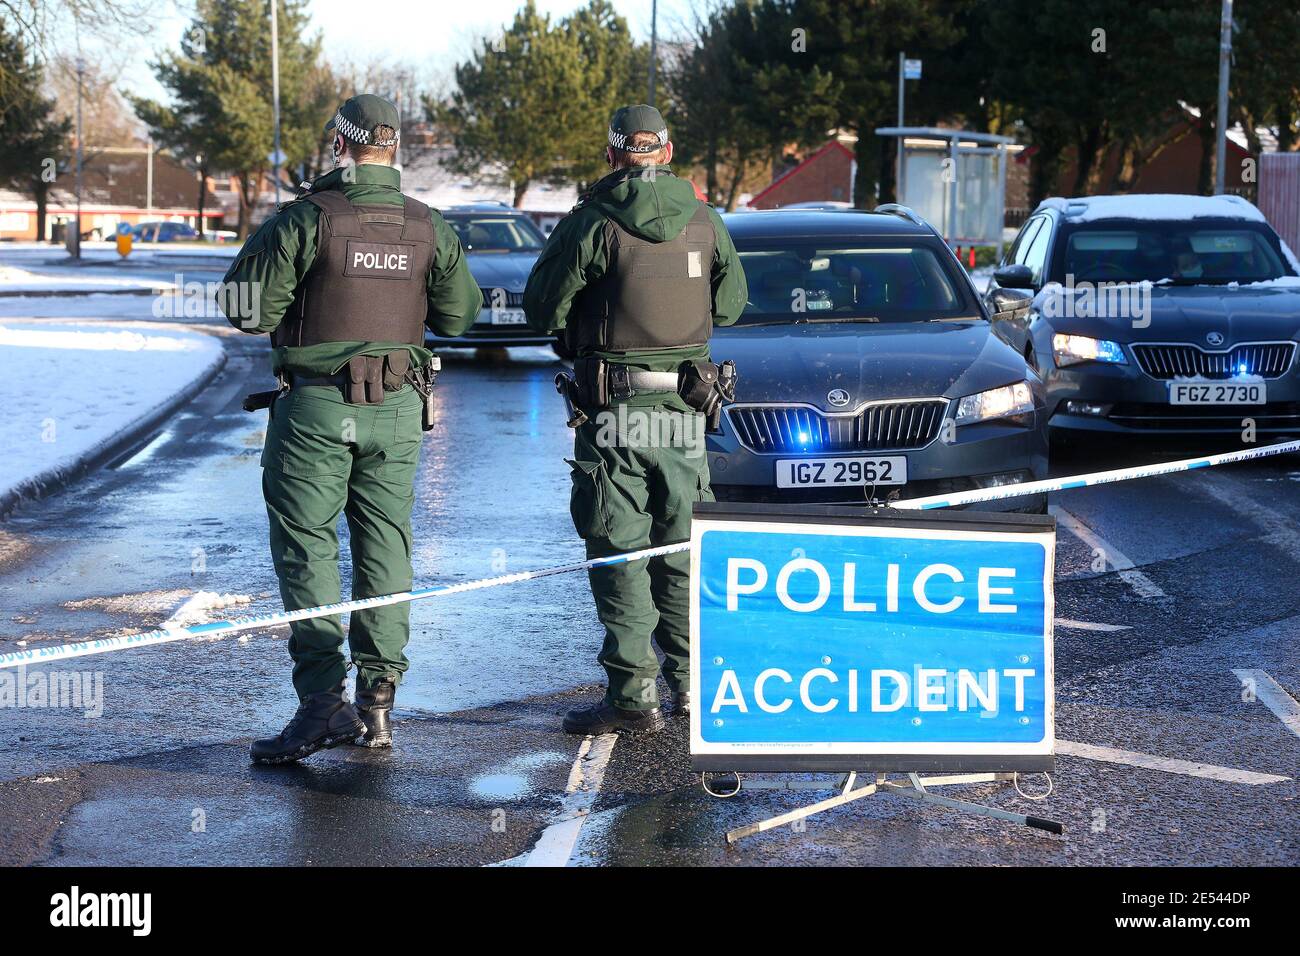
[
  {"x": 620, "y": 141},
  {"x": 355, "y": 134}
]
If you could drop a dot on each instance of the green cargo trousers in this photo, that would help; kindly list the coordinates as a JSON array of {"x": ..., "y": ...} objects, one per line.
[
  {"x": 634, "y": 489},
  {"x": 322, "y": 457}
]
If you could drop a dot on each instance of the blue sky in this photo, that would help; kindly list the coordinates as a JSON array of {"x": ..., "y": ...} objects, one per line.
[{"x": 433, "y": 34}]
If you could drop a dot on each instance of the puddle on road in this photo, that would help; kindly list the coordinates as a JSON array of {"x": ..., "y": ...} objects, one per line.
[
  {"x": 501, "y": 786},
  {"x": 514, "y": 782}
]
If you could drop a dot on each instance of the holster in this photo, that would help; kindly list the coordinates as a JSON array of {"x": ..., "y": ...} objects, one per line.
[
  {"x": 422, "y": 380},
  {"x": 260, "y": 400},
  {"x": 704, "y": 386}
]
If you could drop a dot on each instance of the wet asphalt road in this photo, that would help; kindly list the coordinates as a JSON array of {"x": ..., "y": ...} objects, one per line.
[{"x": 480, "y": 770}]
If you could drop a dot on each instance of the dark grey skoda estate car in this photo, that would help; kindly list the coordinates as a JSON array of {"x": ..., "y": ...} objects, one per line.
[
  {"x": 868, "y": 369},
  {"x": 1158, "y": 315}
]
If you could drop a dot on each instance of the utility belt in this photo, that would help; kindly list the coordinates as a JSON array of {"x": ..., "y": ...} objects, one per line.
[
  {"x": 597, "y": 383},
  {"x": 363, "y": 381}
]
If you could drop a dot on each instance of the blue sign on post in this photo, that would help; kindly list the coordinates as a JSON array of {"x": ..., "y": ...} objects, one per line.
[{"x": 882, "y": 641}]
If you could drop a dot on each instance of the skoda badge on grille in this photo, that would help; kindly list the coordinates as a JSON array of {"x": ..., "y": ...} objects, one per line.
[
  {"x": 837, "y": 397},
  {"x": 1214, "y": 338}
]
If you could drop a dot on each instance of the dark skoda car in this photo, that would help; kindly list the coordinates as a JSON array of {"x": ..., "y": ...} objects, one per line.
[
  {"x": 1157, "y": 314},
  {"x": 501, "y": 244},
  {"x": 868, "y": 368}
]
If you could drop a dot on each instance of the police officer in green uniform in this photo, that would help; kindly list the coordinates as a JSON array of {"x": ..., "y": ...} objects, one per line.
[
  {"x": 345, "y": 278},
  {"x": 634, "y": 278}
]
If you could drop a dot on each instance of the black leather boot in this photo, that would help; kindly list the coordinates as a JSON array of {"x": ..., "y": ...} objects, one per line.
[
  {"x": 681, "y": 701},
  {"x": 374, "y": 705},
  {"x": 605, "y": 718},
  {"x": 323, "y": 720}
]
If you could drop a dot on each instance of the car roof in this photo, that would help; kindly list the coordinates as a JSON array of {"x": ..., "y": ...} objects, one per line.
[
  {"x": 833, "y": 223},
  {"x": 1152, "y": 206},
  {"x": 493, "y": 207}
]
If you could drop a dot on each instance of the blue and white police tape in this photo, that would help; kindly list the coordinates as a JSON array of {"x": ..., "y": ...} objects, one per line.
[
  {"x": 1095, "y": 478},
  {"x": 43, "y": 655}
]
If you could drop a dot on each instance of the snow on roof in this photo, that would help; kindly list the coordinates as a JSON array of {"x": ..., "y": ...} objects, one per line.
[
  {"x": 1155, "y": 206},
  {"x": 426, "y": 178}
]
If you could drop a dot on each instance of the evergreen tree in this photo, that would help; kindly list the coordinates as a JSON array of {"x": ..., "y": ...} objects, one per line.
[{"x": 34, "y": 142}]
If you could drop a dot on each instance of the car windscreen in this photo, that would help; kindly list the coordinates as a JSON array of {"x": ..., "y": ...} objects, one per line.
[
  {"x": 488, "y": 233},
  {"x": 1182, "y": 253},
  {"x": 857, "y": 281}
]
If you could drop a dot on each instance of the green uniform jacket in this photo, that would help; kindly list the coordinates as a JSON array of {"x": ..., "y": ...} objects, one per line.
[
  {"x": 276, "y": 259},
  {"x": 656, "y": 207}
]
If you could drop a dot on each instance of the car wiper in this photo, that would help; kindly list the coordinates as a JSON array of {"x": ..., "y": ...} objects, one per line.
[{"x": 841, "y": 319}]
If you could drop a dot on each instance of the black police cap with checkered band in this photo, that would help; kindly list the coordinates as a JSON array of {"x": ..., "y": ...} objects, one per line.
[
  {"x": 358, "y": 118},
  {"x": 637, "y": 119}
]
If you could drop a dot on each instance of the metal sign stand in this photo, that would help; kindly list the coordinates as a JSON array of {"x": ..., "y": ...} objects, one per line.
[{"x": 915, "y": 789}]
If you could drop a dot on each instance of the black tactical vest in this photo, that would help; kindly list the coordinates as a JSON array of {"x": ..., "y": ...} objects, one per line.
[
  {"x": 369, "y": 282},
  {"x": 653, "y": 295}
]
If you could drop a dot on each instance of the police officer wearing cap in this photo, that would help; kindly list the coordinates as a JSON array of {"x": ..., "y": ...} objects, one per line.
[
  {"x": 634, "y": 278},
  {"x": 345, "y": 278}
]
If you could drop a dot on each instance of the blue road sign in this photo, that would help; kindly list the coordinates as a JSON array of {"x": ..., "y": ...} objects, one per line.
[{"x": 887, "y": 636}]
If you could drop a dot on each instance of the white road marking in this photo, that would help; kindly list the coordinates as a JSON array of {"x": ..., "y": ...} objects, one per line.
[
  {"x": 1091, "y": 625},
  {"x": 585, "y": 777},
  {"x": 1273, "y": 696},
  {"x": 1167, "y": 764},
  {"x": 1142, "y": 585},
  {"x": 1278, "y": 530},
  {"x": 148, "y": 451}
]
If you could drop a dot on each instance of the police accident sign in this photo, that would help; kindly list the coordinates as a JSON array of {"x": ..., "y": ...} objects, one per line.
[{"x": 880, "y": 640}]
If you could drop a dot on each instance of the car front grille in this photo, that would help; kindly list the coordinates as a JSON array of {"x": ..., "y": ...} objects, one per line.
[
  {"x": 799, "y": 429},
  {"x": 1273, "y": 416},
  {"x": 1265, "y": 359}
]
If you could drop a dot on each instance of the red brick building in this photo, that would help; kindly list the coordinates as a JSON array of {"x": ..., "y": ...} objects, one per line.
[{"x": 825, "y": 176}]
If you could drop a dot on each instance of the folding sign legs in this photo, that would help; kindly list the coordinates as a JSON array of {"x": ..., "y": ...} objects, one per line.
[{"x": 916, "y": 788}]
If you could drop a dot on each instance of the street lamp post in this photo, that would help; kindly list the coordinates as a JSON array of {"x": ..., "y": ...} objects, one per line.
[
  {"x": 276, "y": 158},
  {"x": 1225, "y": 65},
  {"x": 654, "y": 17},
  {"x": 76, "y": 238}
]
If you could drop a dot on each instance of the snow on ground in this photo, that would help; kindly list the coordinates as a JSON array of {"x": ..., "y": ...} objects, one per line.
[
  {"x": 13, "y": 279},
  {"x": 70, "y": 390}
]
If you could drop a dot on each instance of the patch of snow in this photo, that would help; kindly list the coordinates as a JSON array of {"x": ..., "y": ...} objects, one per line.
[
  {"x": 197, "y": 607},
  {"x": 1290, "y": 256},
  {"x": 13, "y": 279},
  {"x": 70, "y": 390},
  {"x": 1148, "y": 206}
]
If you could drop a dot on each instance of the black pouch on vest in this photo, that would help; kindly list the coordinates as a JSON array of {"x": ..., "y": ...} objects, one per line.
[
  {"x": 592, "y": 378},
  {"x": 396, "y": 365},
  {"x": 365, "y": 381}
]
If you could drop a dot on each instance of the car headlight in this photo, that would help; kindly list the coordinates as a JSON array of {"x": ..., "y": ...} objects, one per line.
[
  {"x": 1001, "y": 402},
  {"x": 1073, "y": 349}
]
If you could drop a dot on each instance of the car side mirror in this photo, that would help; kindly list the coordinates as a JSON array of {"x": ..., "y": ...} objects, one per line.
[
  {"x": 1015, "y": 276},
  {"x": 1005, "y": 303}
]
